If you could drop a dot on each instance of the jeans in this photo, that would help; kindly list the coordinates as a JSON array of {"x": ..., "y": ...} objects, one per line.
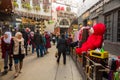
[
  {"x": 7, "y": 56},
  {"x": 39, "y": 50},
  {"x": 44, "y": 49},
  {"x": 32, "y": 49}
]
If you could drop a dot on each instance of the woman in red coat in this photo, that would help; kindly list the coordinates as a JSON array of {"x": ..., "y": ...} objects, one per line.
[
  {"x": 7, "y": 50},
  {"x": 48, "y": 45}
]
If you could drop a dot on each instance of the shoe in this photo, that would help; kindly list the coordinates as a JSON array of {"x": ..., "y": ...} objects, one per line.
[
  {"x": 20, "y": 72},
  {"x": 4, "y": 73},
  {"x": 58, "y": 61},
  {"x": 16, "y": 75}
]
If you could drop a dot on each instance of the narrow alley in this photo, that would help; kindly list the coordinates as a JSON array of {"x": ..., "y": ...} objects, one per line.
[{"x": 46, "y": 68}]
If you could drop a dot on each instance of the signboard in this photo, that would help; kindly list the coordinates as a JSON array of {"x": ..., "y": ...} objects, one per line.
[{"x": 64, "y": 26}]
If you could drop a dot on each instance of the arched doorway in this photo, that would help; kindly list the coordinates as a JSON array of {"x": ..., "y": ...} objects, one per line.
[{"x": 64, "y": 25}]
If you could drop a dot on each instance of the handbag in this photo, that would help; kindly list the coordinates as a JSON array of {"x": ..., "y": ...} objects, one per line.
[{"x": 56, "y": 54}]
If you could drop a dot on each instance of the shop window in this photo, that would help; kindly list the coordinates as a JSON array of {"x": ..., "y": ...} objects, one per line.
[
  {"x": 108, "y": 27},
  {"x": 118, "y": 30},
  {"x": 64, "y": 22}
]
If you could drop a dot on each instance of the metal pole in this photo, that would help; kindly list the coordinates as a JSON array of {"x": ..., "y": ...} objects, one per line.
[{"x": 51, "y": 9}]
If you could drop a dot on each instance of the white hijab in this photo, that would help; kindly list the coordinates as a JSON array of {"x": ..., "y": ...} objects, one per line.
[{"x": 8, "y": 40}]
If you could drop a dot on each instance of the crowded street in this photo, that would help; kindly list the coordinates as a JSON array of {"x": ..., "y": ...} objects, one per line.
[
  {"x": 46, "y": 68},
  {"x": 59, "y": 39}
]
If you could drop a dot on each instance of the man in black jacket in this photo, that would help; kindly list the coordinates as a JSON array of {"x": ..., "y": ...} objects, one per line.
[
  {"x": 39, "y": 43},
  {"x": 61, "y": 46}
]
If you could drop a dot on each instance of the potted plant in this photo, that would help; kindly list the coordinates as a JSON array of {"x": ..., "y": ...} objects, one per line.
[
  {"x": 15, "y": 4},
  {"x": 37, "y": 8},
  {"x": 27, "y": 6}
]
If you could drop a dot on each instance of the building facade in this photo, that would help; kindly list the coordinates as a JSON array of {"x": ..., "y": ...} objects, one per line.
[
  {"x": 107, "y": 12},
  {"x": 29, "y": 13},
  {"x": 64, "y": 19}
]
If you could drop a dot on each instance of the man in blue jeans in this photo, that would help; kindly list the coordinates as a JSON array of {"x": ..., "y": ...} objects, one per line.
[{"x": 39, "y": 43}]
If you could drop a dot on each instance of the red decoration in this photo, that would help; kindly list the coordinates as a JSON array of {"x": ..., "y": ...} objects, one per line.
[
  {"x": 58, "y": 8},
  {"x": 62, "y": 9},
  {"x": 94, "y": 40},
  {"x": 53, "y": 19}
]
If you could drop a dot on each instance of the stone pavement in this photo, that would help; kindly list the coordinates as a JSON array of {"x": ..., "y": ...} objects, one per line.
[{"x": 46, "y": 68}]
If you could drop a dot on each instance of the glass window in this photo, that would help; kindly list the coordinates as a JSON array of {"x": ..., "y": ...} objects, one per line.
[
  {"x": 118, "y": 29},
  {"x": 108, "y": 27}
]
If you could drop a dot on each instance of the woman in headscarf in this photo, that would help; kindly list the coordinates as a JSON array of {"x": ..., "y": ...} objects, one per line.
[
  {"x": 19, "y": 52},
  {"x": 7, "y": 50}
]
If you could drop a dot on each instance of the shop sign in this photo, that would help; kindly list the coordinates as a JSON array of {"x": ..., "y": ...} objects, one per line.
[
  {"x": 99, "y": 5},
  {"x": 85, "y": 15},
  {"x": 17, "y": 19},
  {"x": 96, "y": 7},
  {"x": 106, "y": 1},
  {"x": 64, "y": 26}
]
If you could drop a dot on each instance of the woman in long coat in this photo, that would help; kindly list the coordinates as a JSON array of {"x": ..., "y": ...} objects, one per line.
[
  {"x": 48, "y": 45},
  {"x": 7, "y": 50},
  {"x": 19, "y": 52}
]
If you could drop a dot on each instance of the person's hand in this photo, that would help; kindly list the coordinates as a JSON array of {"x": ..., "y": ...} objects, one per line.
[{"x": 11, "y": 55}]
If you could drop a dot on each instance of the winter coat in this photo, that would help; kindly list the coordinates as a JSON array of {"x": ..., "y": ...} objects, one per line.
[
  {"x": 38, "y": 39},
  {"x": 61, "y": 45},
  {"x": 16, "y": 46},
  {"x": 47, "y": 37},
  {"x": 6, "y": 47}
]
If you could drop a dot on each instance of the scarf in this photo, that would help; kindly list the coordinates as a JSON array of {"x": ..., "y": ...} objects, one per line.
[{"x": 8, "y": 40}]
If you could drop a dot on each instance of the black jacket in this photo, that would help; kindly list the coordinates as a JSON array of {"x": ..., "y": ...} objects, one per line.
[
  {"x": 61, "y": 45},
  {"x": 38, "y": 39}
]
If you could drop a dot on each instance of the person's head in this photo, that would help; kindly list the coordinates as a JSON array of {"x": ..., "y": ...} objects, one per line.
[
  {"x": 7, "y": 35},
  {"x": 69, "y": 35},
  {"x": 27, "y": 29},
  {"x": 62, "y": 36},
  {"x": 18, "y": 35},
  {"x": 91, "y": 31}
]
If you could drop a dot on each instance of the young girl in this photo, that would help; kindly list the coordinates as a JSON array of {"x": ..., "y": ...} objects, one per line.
[{"x": 19, "y": 52}]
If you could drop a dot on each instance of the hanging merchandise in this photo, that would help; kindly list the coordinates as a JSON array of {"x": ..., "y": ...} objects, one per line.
[
  {"x": 99, "y": 53},
  {"x": 110, "y": 75},
  {"x": 116, "y": 75},
  {"x": 113, "y": 65}
]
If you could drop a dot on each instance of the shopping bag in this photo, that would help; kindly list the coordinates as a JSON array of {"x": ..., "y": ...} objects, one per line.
[{"x": 56, "y": 54}]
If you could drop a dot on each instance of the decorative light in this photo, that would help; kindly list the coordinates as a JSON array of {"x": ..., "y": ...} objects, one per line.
[{"x": 0, "y": 2}]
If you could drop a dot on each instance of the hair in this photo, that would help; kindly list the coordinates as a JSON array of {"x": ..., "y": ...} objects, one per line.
[
  {"x": 62, "y": 36},
  {"x": 17, "y": 34}
]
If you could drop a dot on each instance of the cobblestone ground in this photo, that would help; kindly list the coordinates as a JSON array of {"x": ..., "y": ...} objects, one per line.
[{"x": 45, "y": 68}]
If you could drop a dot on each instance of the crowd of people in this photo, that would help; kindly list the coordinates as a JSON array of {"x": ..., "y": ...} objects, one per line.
[{"x": 15, "y": 48}]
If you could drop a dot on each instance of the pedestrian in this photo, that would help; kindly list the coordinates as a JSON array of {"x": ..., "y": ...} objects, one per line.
[
  {"x": 61, "y": 46},
  {"x": 69, "y": 41},
  {"x": 19, "y": 53},
  {"x": 53, "y": 38},
  {"x": 32, "y": 41},
  {"x": 25, "y": 37},
  {"x": 44, "y": 43},
  {"x": 39, "y": 44},
  {"x": 7, "y": 50},
  {"x": 48, "y": 44}
]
